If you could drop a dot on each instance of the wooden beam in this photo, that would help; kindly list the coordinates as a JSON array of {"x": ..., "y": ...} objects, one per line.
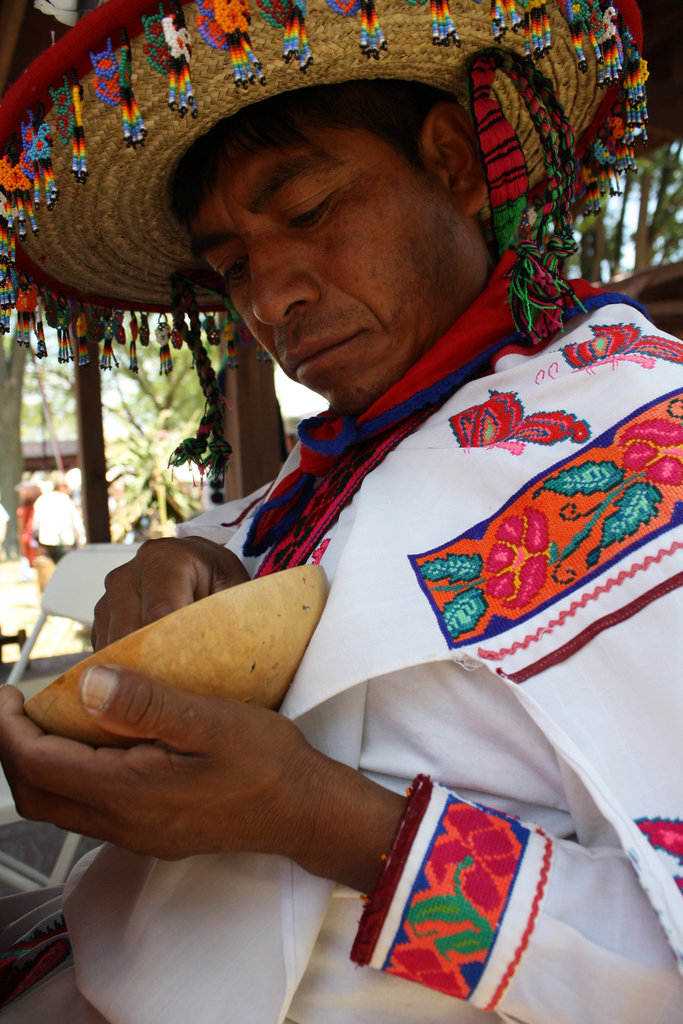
[
  {"x": 11, "y": 19},
  {"x": 95, "y": 498},
  {"x": 252, "y": 424}
]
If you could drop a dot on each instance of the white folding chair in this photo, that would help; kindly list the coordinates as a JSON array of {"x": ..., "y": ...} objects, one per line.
[
  {"x": 73, "y": 589},
  {"x": 23, "y": 876},
  {"x": 71, "y": 592}
]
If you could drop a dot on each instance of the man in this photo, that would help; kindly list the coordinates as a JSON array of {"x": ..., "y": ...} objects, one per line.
[
  {"x": 494, "y": 532},
  {"x": 57, "y": 522}
]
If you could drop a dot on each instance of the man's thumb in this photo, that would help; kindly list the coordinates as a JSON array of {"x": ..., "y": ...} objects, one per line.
[{"x": 130, "y": 704}]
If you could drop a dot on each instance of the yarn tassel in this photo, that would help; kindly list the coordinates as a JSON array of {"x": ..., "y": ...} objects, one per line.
[
  {"x": 133, "y": 356},
  {"x": 371, "y": 36},
  {"x": 538, "y": 292},
  {"x": 208, "y": 450},
  {"x": 295, "y": 41}
]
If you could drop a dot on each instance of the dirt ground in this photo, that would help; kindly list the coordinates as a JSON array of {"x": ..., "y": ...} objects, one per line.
[{"x": 20, "y": 608}]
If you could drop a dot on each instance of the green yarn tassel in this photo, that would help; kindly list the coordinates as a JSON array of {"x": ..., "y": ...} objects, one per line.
[{"x": 538, "y": 292}]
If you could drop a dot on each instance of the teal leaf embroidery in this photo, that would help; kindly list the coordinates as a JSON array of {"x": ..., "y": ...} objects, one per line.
[
  {"x": 637, "y": 506},
  {"x": 464, "y": 612},
  {"x": 453, "y": 568},
  {"x": 588, "y": 478}
]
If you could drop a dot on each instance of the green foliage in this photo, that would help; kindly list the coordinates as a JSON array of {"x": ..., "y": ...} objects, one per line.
[
  {"x": 146, "y": 416},
  {"x": 640, "y": 228}
]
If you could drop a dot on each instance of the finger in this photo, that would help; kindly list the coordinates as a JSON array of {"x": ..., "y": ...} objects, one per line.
[
  {"x": 130, "y": 704},
  {"x": 11, "y": 699},
  {"x": 166, "y": 574}
]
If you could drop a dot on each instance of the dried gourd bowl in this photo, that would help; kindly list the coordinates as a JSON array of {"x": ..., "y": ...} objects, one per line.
[{"x": 245, "y": 643}]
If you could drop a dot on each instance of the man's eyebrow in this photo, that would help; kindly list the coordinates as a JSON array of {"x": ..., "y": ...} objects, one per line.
[
  {"x": 274, "y": 180},
  {"x": 286, "y": 170},
  {"x": 201, "y": 244}
]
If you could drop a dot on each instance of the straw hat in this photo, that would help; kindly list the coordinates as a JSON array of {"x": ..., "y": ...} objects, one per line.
[
  {"x": 94, "y": 129},
  {"x": 112, "y": 238}
]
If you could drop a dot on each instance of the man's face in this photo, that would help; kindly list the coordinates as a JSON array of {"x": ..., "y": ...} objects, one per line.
[{"x": 345, "y": 262}]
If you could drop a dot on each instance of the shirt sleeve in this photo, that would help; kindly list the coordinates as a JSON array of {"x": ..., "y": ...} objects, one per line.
[{"x": 480, "y": 906}]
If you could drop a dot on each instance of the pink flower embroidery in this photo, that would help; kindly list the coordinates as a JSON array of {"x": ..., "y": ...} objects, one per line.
[
  {"x": 655, "y": 447},
  {"x": 518, "y": 561}
]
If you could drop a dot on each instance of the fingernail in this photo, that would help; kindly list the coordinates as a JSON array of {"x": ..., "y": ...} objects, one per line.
[{"x": 97, "y": 685}]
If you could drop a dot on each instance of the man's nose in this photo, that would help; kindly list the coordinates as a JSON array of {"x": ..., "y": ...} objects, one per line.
[{"x": 282, "y": 279}]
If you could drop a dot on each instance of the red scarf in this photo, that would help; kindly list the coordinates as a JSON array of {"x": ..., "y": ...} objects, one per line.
[{"x": 462, "y": 353}]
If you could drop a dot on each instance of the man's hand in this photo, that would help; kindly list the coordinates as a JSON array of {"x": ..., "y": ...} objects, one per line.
[
  {"x": 209, "y": 775},
  {"x": 164, "y": 575}
]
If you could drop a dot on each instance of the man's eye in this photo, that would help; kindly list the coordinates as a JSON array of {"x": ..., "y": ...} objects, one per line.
[
  {"x": 235, "y": 271},
  {"x": 313, "y": 215}
]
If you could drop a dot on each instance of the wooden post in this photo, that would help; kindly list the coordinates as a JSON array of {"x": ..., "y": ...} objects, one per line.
[
  {"x": 91, "y": 448},
  {"x": 252, "y": 424}
]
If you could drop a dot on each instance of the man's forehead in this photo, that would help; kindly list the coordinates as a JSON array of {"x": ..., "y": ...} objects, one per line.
[{"x": 271, "y": 170}]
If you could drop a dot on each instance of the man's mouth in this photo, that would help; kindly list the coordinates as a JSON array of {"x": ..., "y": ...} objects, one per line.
[{"x": 313, "y": 352}]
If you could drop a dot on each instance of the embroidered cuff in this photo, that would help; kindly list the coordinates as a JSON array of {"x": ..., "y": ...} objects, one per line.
[{"x": 458, "y": 898}]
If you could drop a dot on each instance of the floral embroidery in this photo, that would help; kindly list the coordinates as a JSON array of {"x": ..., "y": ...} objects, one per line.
[
  {"x": 621, "y": 343},
  {"x": 656, "y": 448},
  {"x": 578, "y": 519},
  {"x": 458, "y": 899},
  {"x": 30, "y": 960},
  {"x": 518, "y": 561},
  {"x": 500, "y": 423},
  {"x": 665, "y": 834},
  {"x": 317, "y": 556}
]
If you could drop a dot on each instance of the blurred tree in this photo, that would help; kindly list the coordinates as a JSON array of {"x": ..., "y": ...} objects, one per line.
[
  {"x": 641, "y": 228},
  {"x": 146, "y": 416}
]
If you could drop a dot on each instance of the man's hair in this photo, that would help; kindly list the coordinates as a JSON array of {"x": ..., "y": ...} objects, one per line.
[{"x": 391, "y": 109}]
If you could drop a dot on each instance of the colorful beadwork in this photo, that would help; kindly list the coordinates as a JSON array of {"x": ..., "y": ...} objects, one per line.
[
  {"x": 26, "y": 302},
  {"x": 443, "y": 29},
  {"x": 162, "y": 334},
  {"x": 500, "y": 9},
  {"x": 459, "y": 898},
  {"x": 108, "y": 358},
  {"x": 106, "y": 78},
  {"x": 537, "y": 41},
  {"x": 224, "y": 24},
  {"x": 168, "y": 49},
  {"x": 37, "y": 158},
  {"x": 564, "y": 528},
  {"x": 68, "y": 101},
  {"x": 112, "y": 84}
]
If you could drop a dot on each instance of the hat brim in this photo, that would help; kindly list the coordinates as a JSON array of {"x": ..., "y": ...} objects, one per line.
[{"x": 113, "y": 240}]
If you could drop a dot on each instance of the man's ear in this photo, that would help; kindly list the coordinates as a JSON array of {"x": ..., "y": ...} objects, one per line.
[{"x": 450, "y": 151}]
